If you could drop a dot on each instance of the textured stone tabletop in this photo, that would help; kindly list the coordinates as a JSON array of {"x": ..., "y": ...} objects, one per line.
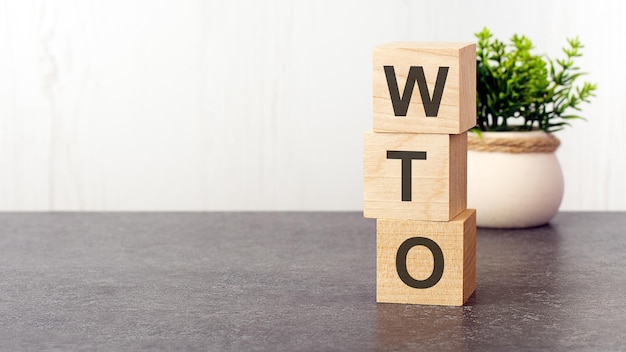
[{"x": 295, "y": 282}]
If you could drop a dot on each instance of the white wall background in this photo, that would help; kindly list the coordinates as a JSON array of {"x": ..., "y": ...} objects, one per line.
[{"x": 253, "y": 105}]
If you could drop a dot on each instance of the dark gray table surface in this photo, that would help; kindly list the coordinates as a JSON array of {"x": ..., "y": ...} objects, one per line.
[{"x": 295, "y": 282}]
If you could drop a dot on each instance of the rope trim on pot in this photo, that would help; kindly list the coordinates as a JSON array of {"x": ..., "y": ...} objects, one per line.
[{"x": 547, "y": 144}]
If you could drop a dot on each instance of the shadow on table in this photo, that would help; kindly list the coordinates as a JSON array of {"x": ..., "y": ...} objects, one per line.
[{"x": 512, "y": 264}]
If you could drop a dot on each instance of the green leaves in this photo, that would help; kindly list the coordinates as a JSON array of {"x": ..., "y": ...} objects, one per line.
[{"x": 532, "y": 90}]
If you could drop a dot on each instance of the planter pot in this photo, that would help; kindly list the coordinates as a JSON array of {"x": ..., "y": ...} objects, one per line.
[{"x": 514, "y": 179}]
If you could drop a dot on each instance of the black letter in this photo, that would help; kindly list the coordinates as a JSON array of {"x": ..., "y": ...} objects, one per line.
[
  {"x": 406, "y": 169},
  {"x": 437, "y": 273},
  {"x": 416, "y": 73},
  {"x": 400, "y": 104}
]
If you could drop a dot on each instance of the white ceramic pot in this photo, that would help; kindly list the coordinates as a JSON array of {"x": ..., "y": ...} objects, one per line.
[{"x": 513, "y": 190}]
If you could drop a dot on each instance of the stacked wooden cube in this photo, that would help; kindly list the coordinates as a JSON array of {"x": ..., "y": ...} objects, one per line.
[{"x": 415, "y": 172}]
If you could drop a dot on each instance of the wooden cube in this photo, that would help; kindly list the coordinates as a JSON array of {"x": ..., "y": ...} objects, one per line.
[
  {"x": 414, "y": 176},
  {"x": 424, "y": 87},
  {"x": 426, "y": 262}
]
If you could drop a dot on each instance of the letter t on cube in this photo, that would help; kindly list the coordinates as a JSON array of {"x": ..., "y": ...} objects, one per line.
[{"x": 414, "y": 176}]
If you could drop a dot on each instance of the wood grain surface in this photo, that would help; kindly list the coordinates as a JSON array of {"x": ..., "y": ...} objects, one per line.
[{"x": 214, "y": 105}]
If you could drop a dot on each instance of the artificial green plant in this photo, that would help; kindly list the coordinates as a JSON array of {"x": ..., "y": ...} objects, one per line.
[{"x": 518, "y": 90}]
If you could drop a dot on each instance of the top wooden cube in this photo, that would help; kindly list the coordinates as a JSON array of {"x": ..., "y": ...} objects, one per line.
[{"x": 424, "y": 87}]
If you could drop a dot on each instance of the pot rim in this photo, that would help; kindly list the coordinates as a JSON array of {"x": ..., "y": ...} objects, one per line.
[
  {"x": 513, "y": 134},
  {"x": 514, "y": 142}
]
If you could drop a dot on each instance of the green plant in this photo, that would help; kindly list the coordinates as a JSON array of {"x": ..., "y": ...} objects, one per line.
[{"x": 533, "y": 90}]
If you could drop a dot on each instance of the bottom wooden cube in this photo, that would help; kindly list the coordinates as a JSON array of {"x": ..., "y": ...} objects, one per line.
[{"x": 426, "y": 262}]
